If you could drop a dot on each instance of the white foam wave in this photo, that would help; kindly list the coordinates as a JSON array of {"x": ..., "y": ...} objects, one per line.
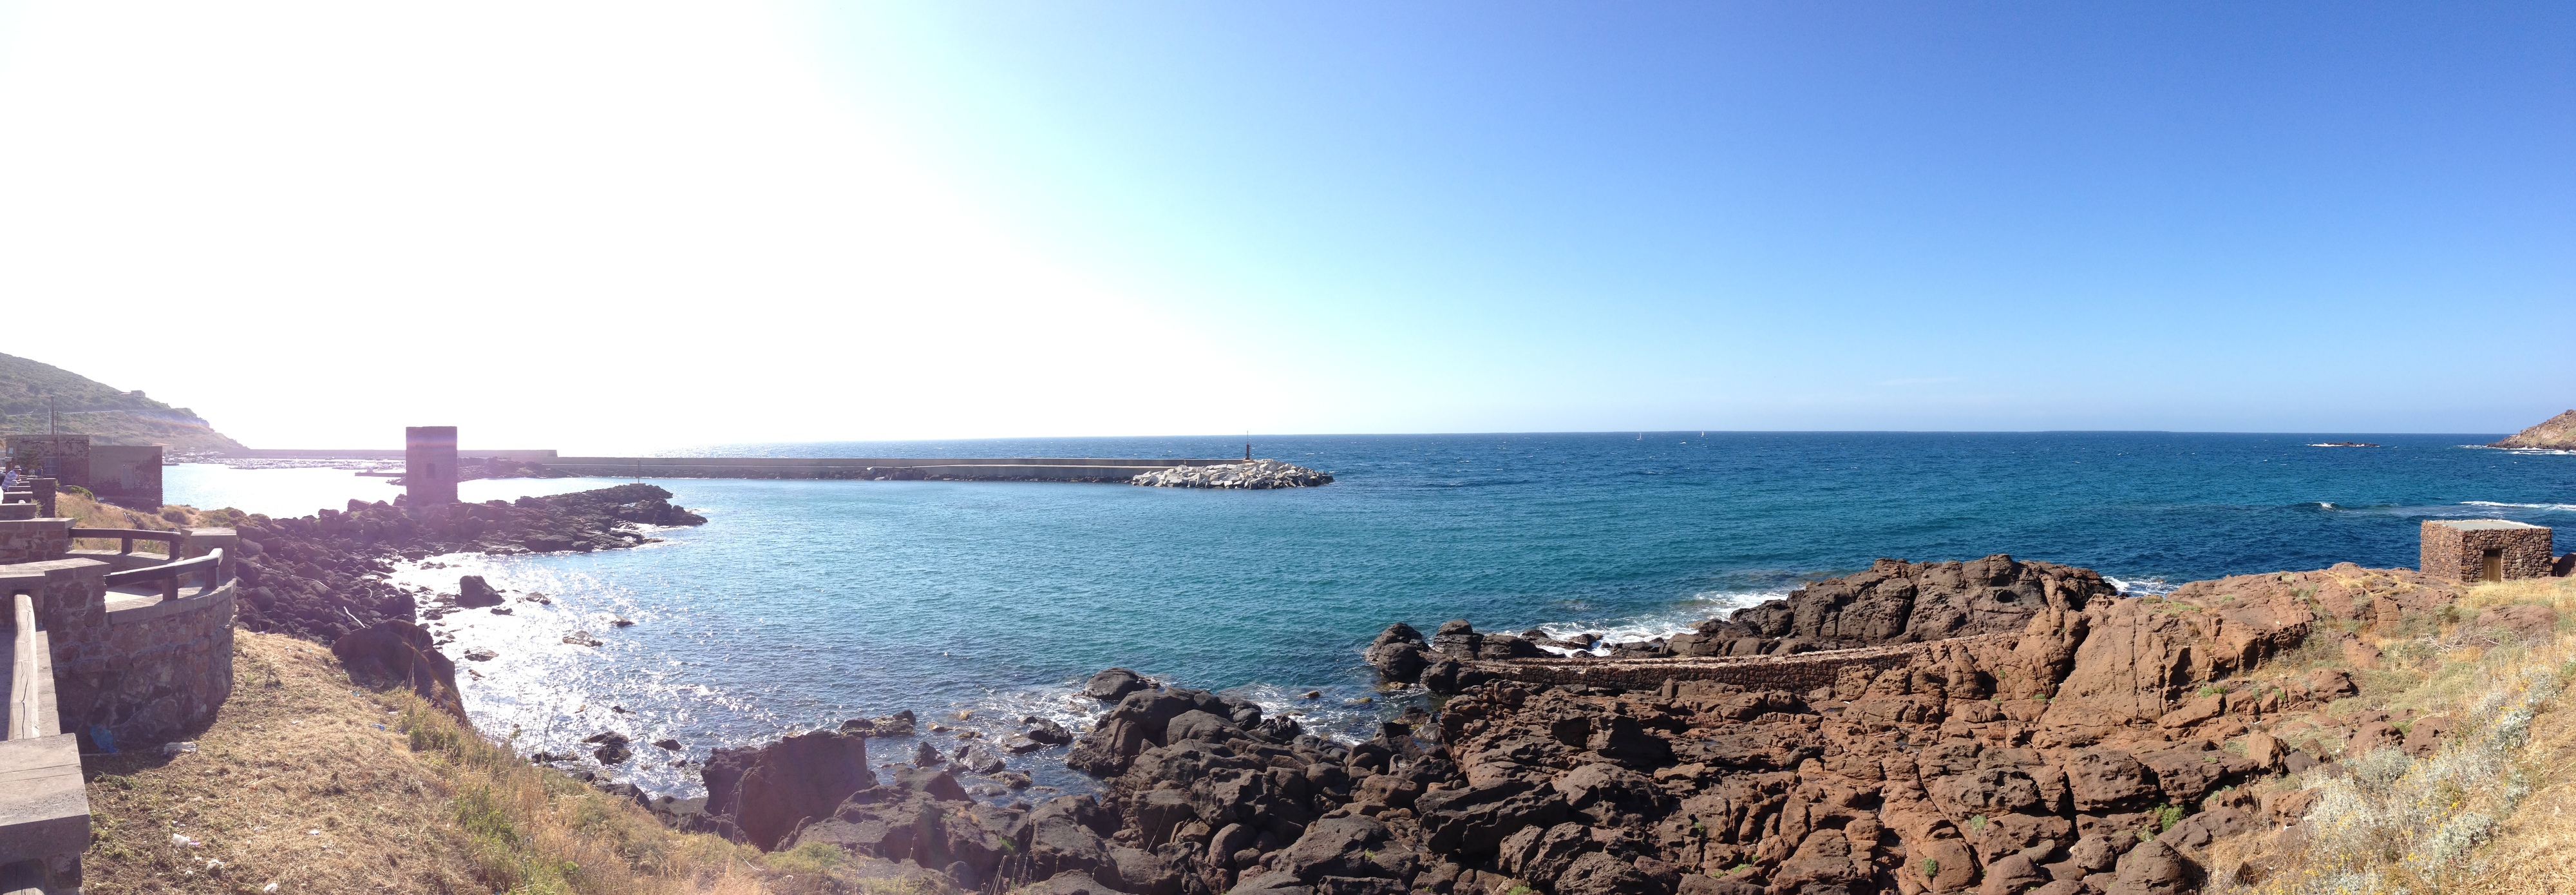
[
  {"x": 2560, "y": 507},
  {"x": 1700, "y": 607},
  {"x": 2527, "y": 451}
]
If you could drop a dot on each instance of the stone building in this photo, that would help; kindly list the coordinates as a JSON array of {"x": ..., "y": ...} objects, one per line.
[
  {"x": 2485, "y": 549},
  {"x": 129, "y": 475},
  {"x": 126, "y": 474},
  {"x": 64, "y": 458},
  {"x": 429, "y": 465}
]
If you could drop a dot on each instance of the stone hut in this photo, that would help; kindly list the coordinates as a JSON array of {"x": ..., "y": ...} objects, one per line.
[{"x": 2485, "y": 549}]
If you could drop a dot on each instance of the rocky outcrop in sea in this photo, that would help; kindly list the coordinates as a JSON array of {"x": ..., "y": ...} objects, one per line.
[
  {"x": 322, "y": 576},
  {"x": 1991, "y": 726},
  {"x": 1255, "y": 475}
]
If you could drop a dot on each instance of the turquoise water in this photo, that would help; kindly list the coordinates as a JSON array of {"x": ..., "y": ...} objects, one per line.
[{"x": 803, "y": 602}]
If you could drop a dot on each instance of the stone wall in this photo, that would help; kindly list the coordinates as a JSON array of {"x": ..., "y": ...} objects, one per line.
[
  {"x": 2455, "y": 549},
  {"x": 160, "y": 673},
  {"x": 147, "y": 670},
  {"x": 128, "y": 475},
  {"x": 34, "y": 540},
  {"x": 61, "y": 457}
]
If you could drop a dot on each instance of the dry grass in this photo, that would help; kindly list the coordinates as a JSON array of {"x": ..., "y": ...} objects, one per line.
[
  {"x": 2487, "y": 811},
  {"x": 306, "y": 783},
  {"x": 87, "y": 513}
]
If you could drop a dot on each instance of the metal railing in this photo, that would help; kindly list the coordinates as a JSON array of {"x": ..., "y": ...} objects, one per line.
[
  {"x": 169, "y": 573},
  {"x": 125, "y": 537}
]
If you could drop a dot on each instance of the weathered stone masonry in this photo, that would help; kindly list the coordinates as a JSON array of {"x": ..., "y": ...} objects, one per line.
[
  {"x": 2458, "y": 549},
  {"x": 140, "y": 667}
]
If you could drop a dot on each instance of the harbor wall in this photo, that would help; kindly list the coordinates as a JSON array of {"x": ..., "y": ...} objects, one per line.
[{"x": 1044, "y": 469}]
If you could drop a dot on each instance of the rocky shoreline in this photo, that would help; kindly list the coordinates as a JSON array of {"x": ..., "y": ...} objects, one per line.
[
  {"x": 1998, "y": 726},
  {"x": 323, "y": 576}
]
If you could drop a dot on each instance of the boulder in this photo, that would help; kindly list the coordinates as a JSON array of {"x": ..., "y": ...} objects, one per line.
[
  {"x": 1062, "y": 837},
  {"x": 1597, "y": 873},
  {"x": 1338, "y": 846},
  {"x": 899, "y": 724},
  {"x": 2426, "y": 736},
  {"x": 1114, "y": 684},
  {"x": 1399, "y": 654},
  {"x": 973, "y": 758},
  {"x": 1047, "y": 732},
  {"x": 2154, "y": 868},
  {"x": 473, "y": 593},
  {"x": 1140, "y": 721},
  {"x": 395, "y": 653},
  {"x": 766, "y": 791},
  {"x": 2107, "y": 780}
]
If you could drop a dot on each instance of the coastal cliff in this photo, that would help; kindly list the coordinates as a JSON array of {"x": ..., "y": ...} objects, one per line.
[
  {"x": 2555, "y": 433},
  {"x": 1996, "y": 726}
]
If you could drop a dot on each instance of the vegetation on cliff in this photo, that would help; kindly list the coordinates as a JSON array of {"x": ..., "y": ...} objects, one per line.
[
  {"x": 84, "y": 406},
  {"x": 2555, "y": 433},
  {"x": 304, "y": 782}
]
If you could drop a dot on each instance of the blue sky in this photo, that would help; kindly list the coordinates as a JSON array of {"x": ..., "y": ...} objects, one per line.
[
  {"x": 967, "y": 219},
  {"x": 1917, "y": 215}
]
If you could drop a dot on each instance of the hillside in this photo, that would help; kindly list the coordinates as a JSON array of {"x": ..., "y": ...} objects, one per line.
[
  {"x": 84, "y": 406},
  {"x": 2555, "y": 433}
]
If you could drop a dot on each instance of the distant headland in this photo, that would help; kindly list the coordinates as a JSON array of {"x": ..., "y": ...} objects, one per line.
[{"x": 2557, "y": 433}]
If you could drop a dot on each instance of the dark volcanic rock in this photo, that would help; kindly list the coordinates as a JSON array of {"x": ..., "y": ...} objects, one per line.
[
  {"x": 1114, "y": 684},
  {"x": 765, "y": 792},
  {"x": 2047, "y": 753},
  {"x": 1399, "y": 653},
  {"x": 1141, "y": 720},
  {"x": 2038, "y": 730},
  {"x": 899, "y": 724},
  {"x": 394, "y": 653},
  {"x": 473, "y": 593},
  {"x": 1901, "y": 602},
  {"x": 1047, "y": 732},
  {"x": 975, "y": 759},
  {"x": 322, "y": 576}
]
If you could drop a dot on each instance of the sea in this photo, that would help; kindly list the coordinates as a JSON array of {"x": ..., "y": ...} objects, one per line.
[{"x": 979, "y": 604}]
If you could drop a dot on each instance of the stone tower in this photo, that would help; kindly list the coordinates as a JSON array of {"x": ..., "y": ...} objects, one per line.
[{"x": 429, "y": 465}]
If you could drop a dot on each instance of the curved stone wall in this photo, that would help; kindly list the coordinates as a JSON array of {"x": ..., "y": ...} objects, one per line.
[{"x": 146, "y": 670}]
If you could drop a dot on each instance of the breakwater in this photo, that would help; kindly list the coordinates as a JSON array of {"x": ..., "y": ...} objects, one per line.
[
  {"x": 1011, "y": 469},
  {"x": 1003, "y": 469}
]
